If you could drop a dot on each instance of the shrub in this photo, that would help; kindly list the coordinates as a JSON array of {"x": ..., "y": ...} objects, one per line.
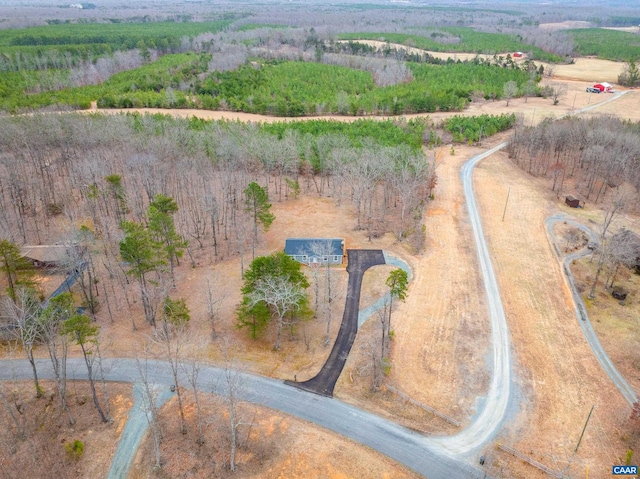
[{"x": 75, "y": 449}]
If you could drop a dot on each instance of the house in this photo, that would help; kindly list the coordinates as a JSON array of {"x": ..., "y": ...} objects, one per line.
[
  {"x": 572, "y": 202},
  {"x": 47, "y": 256},
  {"x": 312, "y": 251},
  {"x": 604, "y": 87}
]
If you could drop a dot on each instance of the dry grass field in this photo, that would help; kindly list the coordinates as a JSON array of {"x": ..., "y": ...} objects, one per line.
[{"x": 441, "y": 336}]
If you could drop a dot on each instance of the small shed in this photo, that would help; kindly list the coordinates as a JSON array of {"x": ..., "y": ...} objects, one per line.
[
  {"x": 315, "y": 251},
  {"x": 619, "y": 293},
  {"x": 572, "y": 202},
  {"x": 603, "y": 87}
]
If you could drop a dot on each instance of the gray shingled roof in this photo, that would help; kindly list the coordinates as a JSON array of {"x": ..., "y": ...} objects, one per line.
[
  {"x": 314, "y": 246},
  {"x": 47, "y": 253}
]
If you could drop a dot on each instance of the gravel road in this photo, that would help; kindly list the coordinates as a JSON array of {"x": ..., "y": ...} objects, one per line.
[
  {"x": 410, "y": 448},
  {"x": 581, "y": 311},
  {"x": 489, "y": 420},
  {"x": 133, "y": 431},
  {"x": 435, "y": 458}
]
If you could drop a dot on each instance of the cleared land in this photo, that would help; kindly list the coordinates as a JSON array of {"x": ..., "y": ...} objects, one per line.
[{"x": 440, "y": 332}]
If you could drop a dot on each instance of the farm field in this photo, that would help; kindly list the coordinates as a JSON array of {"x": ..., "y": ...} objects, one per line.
[{"x": 441, "y": 336}]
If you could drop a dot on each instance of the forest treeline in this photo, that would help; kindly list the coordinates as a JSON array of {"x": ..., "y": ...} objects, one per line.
[
  {"x": 264, "y": 70},
  {"x": 594, "y": 154},
  {"x": 63, "y": 166},
  {"x": 275, "y": 87},
  {"x": 260, "y": 70}
]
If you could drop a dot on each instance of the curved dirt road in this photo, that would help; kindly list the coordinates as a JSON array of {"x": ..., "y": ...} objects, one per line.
[
  {"x": 581, "y": 311},
  {"x": 496, "y": 403}
]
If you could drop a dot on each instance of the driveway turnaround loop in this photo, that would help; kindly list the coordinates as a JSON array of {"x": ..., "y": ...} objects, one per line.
[
  {"x": 581, "y": 311},
  {"x": 359, "y": 260}
]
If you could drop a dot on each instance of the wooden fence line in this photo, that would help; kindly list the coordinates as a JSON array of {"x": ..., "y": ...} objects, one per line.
[
  {"x": 533, "y": 462},
  {"x": 443, "y": 416}
]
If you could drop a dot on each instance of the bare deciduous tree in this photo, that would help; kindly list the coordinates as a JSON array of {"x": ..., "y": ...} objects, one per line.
[
  {"x": 149, "y": 395},
  {"x": 573, "y": 236},
  {"x": 24, "y": 313},
  {"x": 231, "y": 391},
  {"x": 59, "y": 309},
  {"x": 192, "y": 368},
  {"x": 615, "y": 208},
  {"x": 509, "y": 91},
  {"x": 557, "y": 91},
  {"x": 213, "y": 303},
  {"x": 281, "y": 296}
]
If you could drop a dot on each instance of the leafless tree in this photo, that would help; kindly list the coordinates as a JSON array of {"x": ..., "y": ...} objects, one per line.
[
  {"x": 509, "y": 91},
  {"x": 192, "y": 368},
  {"x": 280, "y": 295},
  {"x": 149, "y": 395},
  {"x": 409, "y": 179},
  {"x": 171, "y": 339},
  {"x": 79, "y": 261},
  {"x": 24, "y": 313},
  {"x": 624, "y": 250},
  {"x": 557, "y": 91},
  {"x": 58, "y": 344},
  {"x": 573, "y": 236},
  {"x": 610, "y": 214},
  {"x": 231, "y": 391},
  {"x": 372, "y": 363},
  {"x": 213, "y": 302}
]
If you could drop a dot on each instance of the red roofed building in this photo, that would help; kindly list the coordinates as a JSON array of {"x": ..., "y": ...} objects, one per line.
[{"x": 603, "y": 87}]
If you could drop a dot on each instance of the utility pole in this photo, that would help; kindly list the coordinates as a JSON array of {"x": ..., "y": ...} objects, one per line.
[
  {"x": 505, "y": 204},
  {"x": 584, "y": 428}
]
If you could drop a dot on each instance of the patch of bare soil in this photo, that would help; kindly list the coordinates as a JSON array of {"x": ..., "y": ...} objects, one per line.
[
  {"x": 567, "y": 24},
  {"x": 624, "y": 29},
  {"x": 42, "y": 450},
  {"x": 271, "y": 445}
]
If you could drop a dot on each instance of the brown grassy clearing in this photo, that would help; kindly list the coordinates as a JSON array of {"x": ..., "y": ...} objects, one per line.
[{"x": 441, "y": 331}]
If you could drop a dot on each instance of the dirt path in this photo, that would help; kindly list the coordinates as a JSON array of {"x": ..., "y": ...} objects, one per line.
[
  {"x": 133, "y": 431},
  {"x": 581, "y": 310}
]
